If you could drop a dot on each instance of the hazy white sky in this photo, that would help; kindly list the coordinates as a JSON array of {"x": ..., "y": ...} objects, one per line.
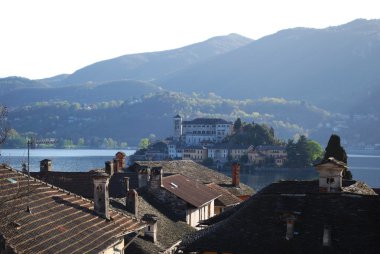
[{"x": 43, "y": 38}]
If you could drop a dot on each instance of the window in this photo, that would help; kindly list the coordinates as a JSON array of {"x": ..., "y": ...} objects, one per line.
[{"x": 330, "y": 180}]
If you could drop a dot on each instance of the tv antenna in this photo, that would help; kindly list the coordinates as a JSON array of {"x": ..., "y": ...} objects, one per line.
[{"x": 31, "y": 143}]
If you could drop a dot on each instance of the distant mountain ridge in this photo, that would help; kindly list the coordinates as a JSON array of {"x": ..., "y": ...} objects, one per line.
[
  {"x": 153, "y": 65},
  {"x": 323, "y": 66}
]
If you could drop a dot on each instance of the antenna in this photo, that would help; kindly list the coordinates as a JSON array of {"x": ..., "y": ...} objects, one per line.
[{"x": 32, "y": 141}]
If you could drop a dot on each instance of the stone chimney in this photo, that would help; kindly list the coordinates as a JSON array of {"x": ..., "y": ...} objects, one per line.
[
  {"x": 132, "y": 202},
  {"x": 330, "y": 175},
  {"x": 156, "y": 178},
  {"x": 46, "y": 166},
  {"x": 143, "y": 176},
  {"x": 326, "y": 236},
  {"x": 109, "y": 167},
  {"x": 235, "y": 174},
  {"x": 126, "y": 181},
  {"x": 290, "y": 227},
  {"x": 151, "y": 229},
  {"x": 120, "y": 161},
  {"x": 101, "y": 194}
]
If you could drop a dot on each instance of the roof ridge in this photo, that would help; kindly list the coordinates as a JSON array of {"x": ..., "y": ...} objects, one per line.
[{"x": 63, "y": 190}]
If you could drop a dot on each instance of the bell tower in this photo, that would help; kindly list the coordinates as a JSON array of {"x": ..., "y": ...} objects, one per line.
[{"x": 177, "y": 127}]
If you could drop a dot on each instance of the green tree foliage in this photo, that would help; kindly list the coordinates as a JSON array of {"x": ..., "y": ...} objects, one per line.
[
  {"x": 253, "y": 134},
  {"x": 303, "y": 153},
  {"x": 144, "y": 143},
  {"x": 316, "y": 151}
]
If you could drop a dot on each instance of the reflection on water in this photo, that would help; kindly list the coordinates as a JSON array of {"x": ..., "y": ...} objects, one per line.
[{"x": 364, "y": 167}]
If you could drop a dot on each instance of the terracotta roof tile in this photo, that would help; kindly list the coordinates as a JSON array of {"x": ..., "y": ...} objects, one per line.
[
  {"x": 58, "y": 222},
  {"x": 193, "y": 192}
]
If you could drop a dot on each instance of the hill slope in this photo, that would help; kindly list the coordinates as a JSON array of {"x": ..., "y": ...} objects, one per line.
[
  {"x": 150, "y": 66},
  {"x": 323, "y": 66}
]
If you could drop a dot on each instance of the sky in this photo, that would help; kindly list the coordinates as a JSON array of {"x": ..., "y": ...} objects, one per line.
[{"x": 44, "y": 38}]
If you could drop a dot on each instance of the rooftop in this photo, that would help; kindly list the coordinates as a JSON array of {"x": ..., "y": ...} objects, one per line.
[
  {"x": 193, "y": 192},
  {"x": 259, "y": 224},
  {"x": 59, "y": 220},
  {"x": 81, "y": 183},
  {"x": 170, "y": 230},
  {"x": 196, "y": 171},
  {"x": 207, "y": 121}
]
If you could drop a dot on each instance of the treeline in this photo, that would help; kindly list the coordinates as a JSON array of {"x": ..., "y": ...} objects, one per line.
[
  {"x": 301, "y": 152},
  {"x": 16, "y": 140}
]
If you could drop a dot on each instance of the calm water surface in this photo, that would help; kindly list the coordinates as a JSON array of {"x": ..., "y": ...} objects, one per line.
[{"x": 364, "y": 165}]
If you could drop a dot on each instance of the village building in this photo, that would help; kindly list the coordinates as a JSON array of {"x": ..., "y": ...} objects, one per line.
[
  {"x": 138, "y": 192},
  {"x": 193, "y": 170},
  {"x": 195, "y": 153},
  {"x": 329, "y": 215},
  {"x": 201, "y": 131},
  {"x": 37, "y": 217}
]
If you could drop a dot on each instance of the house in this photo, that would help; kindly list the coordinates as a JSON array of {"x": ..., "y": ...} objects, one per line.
[
  {"x": 162, "y": 234},
  {"x": 236, "y": 151},
  {"x": 219, "y": 153},
  {"x": 196, "y": 171},
  {"x": 201, "y": 131},
  {"x": 37, "y": 217},
  {"x": 255, "y": 158},
  {"x": 329, "y": 215},
  {"x": 277, "y": 153},
  {"x": 195, "y": 153}
]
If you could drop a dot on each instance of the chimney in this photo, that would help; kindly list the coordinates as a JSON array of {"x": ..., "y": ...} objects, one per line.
[
  {"x": 101, "y": 194},
  {"x": 45, "y": 165},
  {"x": 330, "y": 175},
  {"x": 326, "y": 236},
  {"x": 109, "y": 168},
  {"x": 120, "y": 161},
  {"x": 236, "y": 174},
  {"x": 156, "y": 178},
  {"x": 132, "y": 202},
  {"x": 143, "y": 176},
  {"x": 151, "y": 229},
  {"x": 290, "y": 227},
  {"x": 126, "y": 181}
]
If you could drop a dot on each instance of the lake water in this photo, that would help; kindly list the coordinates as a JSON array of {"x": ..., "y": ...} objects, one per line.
[{"x": 364, "y": 165}]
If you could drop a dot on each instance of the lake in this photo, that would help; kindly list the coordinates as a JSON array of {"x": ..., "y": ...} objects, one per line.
[{"x": 364, "y": 165}]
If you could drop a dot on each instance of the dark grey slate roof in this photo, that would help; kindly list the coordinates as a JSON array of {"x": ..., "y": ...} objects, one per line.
[
  {"x": 207, "y": 121},
  {"x": 81, "y": 183},
  {"x": 170, "y": 229},
  {"x": 196, "y": 171},
  {"x": 259, "y": 224}
]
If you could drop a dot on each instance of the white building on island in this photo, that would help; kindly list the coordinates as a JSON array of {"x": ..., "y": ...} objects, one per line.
[{"x": 201, "y": 131}]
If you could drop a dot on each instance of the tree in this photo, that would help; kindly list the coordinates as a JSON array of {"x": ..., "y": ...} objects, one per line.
[
  {"x": 144, "y": 143},
  {"x": 315, "y": 150},
  {"x": 237, "y": 125}
]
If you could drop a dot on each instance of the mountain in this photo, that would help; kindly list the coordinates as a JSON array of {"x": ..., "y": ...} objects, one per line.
[
  {"x": 150, "y": 66},
  {"x": 86, "y": 93},
  {"x": 10, "y": 84},
  {"x": 332, "y": 67},
  {"x": 154, "y": 113}
]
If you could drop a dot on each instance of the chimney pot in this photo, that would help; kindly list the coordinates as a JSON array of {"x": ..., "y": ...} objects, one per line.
[
  {"x": 236, "y": 174},
  {"x": 109, "y": 167},
  {"x": 101, "y": 194},
  {"x": 132, "y": 202},
  {"x": 45, "y": 165}
]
